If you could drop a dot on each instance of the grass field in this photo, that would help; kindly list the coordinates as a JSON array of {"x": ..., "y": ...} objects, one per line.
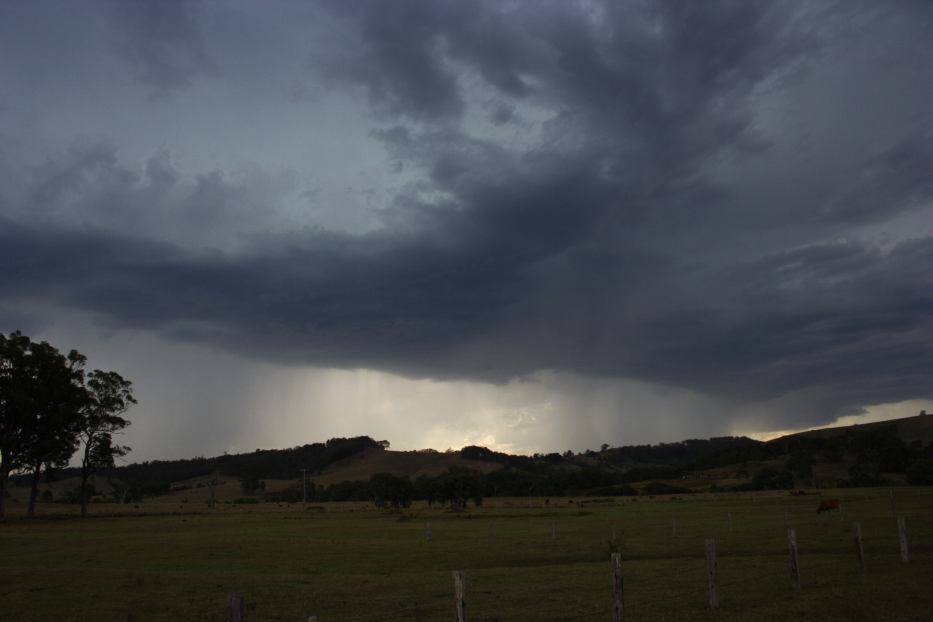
[{"x": 348, "y": 562}]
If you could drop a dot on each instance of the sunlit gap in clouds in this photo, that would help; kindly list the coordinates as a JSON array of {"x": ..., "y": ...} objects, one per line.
[
  {"x": 872, "y": 414},
  {"x": 315, "y": 404},
  {"x": 203, "y": 400},
  {"x": 545, "y": 412},
  {"x": 198, "y": 399}
]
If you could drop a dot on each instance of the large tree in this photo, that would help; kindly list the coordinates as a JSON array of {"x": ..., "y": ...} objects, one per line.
[
  {"x": 107, "y": 396},
  {"x": 41, "y": 400},
  {"x": 388, "y": 490},
  {"x": 57, "y": 401},
  {"x": 13, "y": 408}
]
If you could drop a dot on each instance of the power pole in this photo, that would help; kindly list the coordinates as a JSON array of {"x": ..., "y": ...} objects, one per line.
[{"x": 304, "y": 485}]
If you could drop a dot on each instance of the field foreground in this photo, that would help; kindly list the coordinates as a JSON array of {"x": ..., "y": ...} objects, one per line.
[{"x": 524, "y": 559}]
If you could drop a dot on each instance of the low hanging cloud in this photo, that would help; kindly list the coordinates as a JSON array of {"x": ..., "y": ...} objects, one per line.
[{"x": 663, "y": 192}]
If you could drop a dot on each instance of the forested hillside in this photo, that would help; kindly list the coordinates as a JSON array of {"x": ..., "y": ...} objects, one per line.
[{"x": 362, "y": 468}]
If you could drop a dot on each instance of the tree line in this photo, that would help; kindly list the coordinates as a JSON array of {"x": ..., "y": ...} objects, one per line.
[
  {"x": 51, "y": 408},
  {"x": 155, "y": 477},
  {"x": 875, "y": 454}
]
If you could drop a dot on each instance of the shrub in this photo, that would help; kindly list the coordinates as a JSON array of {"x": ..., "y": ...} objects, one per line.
[
  {"x": 921, "y": 473},
  {"x": 772, "y": 479},
  {"x": 661, "y": 488}
]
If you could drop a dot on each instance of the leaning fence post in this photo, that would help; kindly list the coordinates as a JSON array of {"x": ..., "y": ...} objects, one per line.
[
  {"x": 794, "y": 563},
  {"x": 859, "y": 551},
  {"x": 459, "y": 596},
  {"x": 236, "y": 611},
  {"x": 902, "y": 536},
  {"x": 711, "y": 573},
  {"x": 617, "y": 609}
]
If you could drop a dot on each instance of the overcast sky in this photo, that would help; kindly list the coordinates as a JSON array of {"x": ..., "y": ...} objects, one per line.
[{"x": 532, "y": 225}]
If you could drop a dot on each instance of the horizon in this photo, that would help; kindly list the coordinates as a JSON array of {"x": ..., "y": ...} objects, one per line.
[{"x": 766, "y": 437}]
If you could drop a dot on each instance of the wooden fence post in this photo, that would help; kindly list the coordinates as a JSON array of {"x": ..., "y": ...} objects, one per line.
[
  {"x": 210, "y": 489},
  {"x": 902, "y": 536},
  {"x": 618, "y": 612},
  {"x": 794, "y": 562},
  {"x": 859, "y": 551},
  {"x": 459, "y": 590},
  {"x": 236, "y": 610},
  {"x": 711, "y": 573}
]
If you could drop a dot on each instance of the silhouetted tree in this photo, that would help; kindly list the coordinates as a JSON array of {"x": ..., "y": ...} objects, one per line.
[
  {"x": 921, "y": 473},
  {"x": 458, "y": 485},
  {"x": 427, "y": 488},
  {"x": 772, "y": 479},
  {"x": 251, "y": 483},
  {"x": 107, "y": 396},
  {"x": 14, "y": 406},
  {"x": 40, "y": 403},
  {"x": 387, "y": 490}
]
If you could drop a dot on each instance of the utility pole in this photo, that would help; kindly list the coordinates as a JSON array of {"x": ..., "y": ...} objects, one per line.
[{"x": 304, "y": 485}]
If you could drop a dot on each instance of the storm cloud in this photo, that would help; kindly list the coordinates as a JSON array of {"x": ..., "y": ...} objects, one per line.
[{"x": 732, "y": 199}]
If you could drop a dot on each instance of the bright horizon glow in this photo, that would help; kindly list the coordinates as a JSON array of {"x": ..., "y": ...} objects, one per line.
[{"x": 873, "y": 414}]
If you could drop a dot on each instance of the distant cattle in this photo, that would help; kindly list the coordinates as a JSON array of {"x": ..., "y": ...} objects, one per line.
[{"x": 828, "y": 504}]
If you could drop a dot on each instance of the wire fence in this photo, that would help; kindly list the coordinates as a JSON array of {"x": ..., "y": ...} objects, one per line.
[{"x": 746, "y": 554}]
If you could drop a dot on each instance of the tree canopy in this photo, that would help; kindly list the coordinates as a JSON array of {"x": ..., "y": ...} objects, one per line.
[{"x": 49, "y": 408}]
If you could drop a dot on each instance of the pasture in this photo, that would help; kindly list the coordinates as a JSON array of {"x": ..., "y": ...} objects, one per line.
[{"x": 352, "y": 562}]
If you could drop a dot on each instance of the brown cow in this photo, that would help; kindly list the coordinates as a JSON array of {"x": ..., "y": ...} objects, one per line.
[{"x": 828, "y": 504}]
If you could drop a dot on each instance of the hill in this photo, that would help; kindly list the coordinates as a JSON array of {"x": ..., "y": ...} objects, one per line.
[
  {"x": 909, "y": 429},
  {"x": 363, "y": 465},
  {"x": 341, "y": 469}
]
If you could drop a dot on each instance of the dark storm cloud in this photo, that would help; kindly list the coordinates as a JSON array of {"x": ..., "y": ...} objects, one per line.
[
  {"x": 392, "y": 51},
  {"x": 88, "y": 186},
  {"x": 841, "y": 315},
  {"x": 899, "y": 178},
  {"x": 662, "y": 225},
  {"x": 320, "y": 298},
  {"x": 162, "y": 40}
]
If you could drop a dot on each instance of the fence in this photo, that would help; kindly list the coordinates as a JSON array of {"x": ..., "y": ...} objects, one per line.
[{"x": 236, "y": 607}]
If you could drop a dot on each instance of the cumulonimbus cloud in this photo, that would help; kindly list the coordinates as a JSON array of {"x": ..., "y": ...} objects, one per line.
[{"x": 667, "y": 217}]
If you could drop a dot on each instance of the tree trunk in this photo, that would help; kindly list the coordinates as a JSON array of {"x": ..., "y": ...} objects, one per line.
[
  {"x": 4, "y": 477},
  {"x": 84, "y": 475},
  {"x": 34, "y": 491}
]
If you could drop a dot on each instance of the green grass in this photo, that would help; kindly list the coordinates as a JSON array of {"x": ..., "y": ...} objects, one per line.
[{"x": 350, "y": 563}]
